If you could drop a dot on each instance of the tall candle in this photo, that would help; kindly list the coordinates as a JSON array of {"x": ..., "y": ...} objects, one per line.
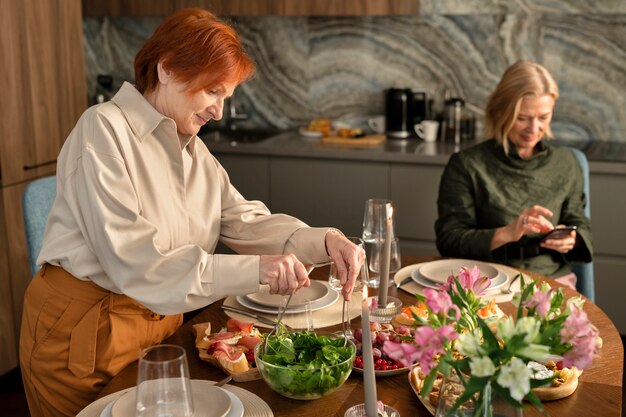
[
  {"x": 385, "y": 259},
  {"x": 369, "y": 378}
]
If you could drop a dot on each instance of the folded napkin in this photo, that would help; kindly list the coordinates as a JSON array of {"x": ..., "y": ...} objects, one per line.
[{"x": 413, "y": 287}]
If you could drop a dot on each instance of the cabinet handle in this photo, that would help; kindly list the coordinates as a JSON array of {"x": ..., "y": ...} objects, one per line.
[{"x": 42, "y": 164}]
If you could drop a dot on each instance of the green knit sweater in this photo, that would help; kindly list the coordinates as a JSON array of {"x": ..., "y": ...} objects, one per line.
[{"x": 482, "y": 189}]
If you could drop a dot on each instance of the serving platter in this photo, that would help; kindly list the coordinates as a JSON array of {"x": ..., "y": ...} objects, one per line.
[
  {"x": 439, "y": 271},
  {"x": 315, "y": 292},
  {"x": 382, "y": 374},
  {"x": 413, "y": 374}
]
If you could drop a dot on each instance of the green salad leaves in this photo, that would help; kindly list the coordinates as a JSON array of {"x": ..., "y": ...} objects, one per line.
[{"x": 306, "y": 365}]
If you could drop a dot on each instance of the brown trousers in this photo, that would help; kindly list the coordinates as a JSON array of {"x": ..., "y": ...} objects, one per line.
[{"x": 75, "y": 337}]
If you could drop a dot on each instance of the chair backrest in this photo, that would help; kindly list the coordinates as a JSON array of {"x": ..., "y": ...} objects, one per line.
[
  {"x": 36, "y": 202},
  {"x": 584, "y": 271}
]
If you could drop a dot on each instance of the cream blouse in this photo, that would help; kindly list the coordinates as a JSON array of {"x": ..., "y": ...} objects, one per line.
[{"x": 140, "y": 214}]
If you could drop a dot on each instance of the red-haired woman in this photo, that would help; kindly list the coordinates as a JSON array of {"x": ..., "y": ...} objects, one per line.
[{"x": 140, "y": 207}]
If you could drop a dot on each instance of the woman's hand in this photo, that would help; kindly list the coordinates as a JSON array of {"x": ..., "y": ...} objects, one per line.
[
  {"x": 285, "y": 274},
  {"x": 348, "y": 259},
  {"x": 530, "y": 220},
  {"x": 560, "y": 244}
]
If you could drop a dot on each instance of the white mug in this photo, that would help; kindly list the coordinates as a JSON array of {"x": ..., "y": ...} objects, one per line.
[
  {"x": 427, "y": 130},
  {"x": 377, "y": 124}
]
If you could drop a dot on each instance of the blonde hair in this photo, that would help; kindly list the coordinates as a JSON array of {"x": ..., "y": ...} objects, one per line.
[{"x": 522, "y": 79}]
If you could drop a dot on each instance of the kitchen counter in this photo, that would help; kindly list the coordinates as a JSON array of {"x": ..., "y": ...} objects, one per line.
[{"x": 604, "y": 157}]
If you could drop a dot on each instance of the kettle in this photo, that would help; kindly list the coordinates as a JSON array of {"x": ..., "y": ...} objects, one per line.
[{"x": 403, "y": 108}]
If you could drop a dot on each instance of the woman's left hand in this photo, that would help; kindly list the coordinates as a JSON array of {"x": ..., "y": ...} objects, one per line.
[
  {"x": 561, "y": 245},
  {"x": 348, "y": 259}
]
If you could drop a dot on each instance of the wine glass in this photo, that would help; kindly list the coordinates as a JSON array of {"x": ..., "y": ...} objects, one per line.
[
  {"x": 163, "y": 384},
  {"x": 335, "y": 283}
]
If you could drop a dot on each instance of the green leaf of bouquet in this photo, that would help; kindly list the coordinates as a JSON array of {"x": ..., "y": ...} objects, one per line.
[
  {"x": 505, "y": 394},
  {"x": 473, "y": 386},
  {"x": 536, "y": 383},
  {"x": 532, "y": 398},
  {"x": 525, "y": 294},
  {"x": 429, "y": 381},
  {"x": 489, "y": 339}
]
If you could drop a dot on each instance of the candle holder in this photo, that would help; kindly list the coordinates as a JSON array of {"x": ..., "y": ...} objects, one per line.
[
  {"x": 359, "y": 411},
  {"x": 384, "y": 314}
]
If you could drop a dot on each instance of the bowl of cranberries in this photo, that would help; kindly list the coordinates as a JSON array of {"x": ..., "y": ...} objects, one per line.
[{"x": 383, "y": 364}]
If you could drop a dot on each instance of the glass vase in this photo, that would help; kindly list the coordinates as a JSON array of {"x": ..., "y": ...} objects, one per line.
[{"x": 493, "y": 405}]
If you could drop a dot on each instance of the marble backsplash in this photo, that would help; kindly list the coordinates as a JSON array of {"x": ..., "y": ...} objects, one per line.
[{"x": 339, "y": 67}]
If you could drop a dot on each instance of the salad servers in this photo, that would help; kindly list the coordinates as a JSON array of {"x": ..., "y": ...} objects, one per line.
[
  {"x": 260, "y": 319},
  {"x": 309, "y": 268}
]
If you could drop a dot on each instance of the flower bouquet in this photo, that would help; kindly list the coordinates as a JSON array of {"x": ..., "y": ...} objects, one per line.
[{"x": 497, "y": 357}]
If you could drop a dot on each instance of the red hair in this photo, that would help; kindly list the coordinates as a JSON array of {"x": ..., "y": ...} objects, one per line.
[{"x": 198, "y": 48}]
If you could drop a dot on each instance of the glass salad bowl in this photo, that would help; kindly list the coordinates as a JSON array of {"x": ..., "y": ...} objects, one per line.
[{"x": 305, "y": 365}]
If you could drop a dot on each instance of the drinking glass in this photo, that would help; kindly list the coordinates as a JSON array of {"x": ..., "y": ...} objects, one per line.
[
  {"x": 394, "y": 262},
  {"x": 163, "y": 384},
  {"x": 335, "y": 283},
  {"x": 375, "y": 217}
]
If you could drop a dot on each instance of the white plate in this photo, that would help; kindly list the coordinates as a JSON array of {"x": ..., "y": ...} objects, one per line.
[
  {"x": 208, "y": 401},
  {"x": 106, "y": 412},
  {"x": 498, "y": 282},
  {"x": 310, "y": 133},
  {"x": 236, "y": 406},
  {"x": 316, "y": 291},
  {"x": 330, "y": 298},
  {"x": 439, "y": 271}
]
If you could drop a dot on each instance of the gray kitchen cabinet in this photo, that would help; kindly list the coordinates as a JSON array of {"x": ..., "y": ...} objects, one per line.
[
  {"x": 249, "y": 174},
  {"x": 414, "y": 189},
  {"x": 611, "y": 287},
  {"x": 608, "y": 199},
  {"x": 325, "y": 192}
]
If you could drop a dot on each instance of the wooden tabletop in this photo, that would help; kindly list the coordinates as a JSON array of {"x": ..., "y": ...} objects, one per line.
[{"x": 599, "y": 392}]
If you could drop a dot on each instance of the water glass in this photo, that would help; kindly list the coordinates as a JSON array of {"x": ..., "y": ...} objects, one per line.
[
  {"x": 394, "y": 262},
  {"x": 163, "y": 384},
  {"x": 375, "y": 218}
]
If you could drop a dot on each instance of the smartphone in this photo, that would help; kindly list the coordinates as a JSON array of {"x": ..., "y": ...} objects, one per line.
[{"x": 559, "y": 232}]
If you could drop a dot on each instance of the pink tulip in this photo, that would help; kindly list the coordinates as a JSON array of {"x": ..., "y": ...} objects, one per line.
[
  {"x": 540, "y": 301},
  {"x": 428, "y": 344},
  {"x": 470, "y": 280},
  {"x": 581, "y": 335},
  {"x": 440, "y": 302}
]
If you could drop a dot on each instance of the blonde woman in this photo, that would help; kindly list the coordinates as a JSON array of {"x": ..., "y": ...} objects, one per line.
[{"x": 499, "y": 199}]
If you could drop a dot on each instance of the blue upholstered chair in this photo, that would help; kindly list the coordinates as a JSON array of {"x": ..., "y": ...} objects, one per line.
[
  {"x": 584, "y": 271},
  {"x": 37, "y": 202}
]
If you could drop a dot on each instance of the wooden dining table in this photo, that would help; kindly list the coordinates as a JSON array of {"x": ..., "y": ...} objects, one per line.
[{"x": 599, "y": 392}]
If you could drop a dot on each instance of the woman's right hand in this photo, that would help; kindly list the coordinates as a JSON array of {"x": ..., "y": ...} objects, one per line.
[
  {"x": 284, "y": 274},
  {"x": 530, "y": 220}
]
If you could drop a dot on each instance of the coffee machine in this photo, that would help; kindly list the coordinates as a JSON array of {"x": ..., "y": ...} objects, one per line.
[{"x": 403, "y": 109}]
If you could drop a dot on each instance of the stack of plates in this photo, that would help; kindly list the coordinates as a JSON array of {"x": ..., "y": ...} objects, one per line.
[
  {"x": 318, "y": 294},
  {"x": 208, "y": 400},
  {"x": 433, "y": 274}
]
